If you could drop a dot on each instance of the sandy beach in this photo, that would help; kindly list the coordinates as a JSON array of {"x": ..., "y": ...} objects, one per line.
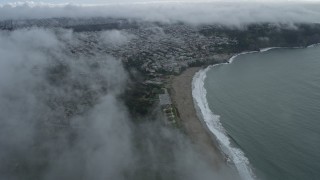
[{"x": 181, "y": 93}]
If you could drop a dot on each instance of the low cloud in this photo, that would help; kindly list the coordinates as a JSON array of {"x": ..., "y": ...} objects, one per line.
[
  {"x": 61, "y": 116},
  {"x": 60, "y": 112},
  {"x": 233, "y": 13}
]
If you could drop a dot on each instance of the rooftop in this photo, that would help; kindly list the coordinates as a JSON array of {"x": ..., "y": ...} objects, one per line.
[{"x": 164, "y": 99}]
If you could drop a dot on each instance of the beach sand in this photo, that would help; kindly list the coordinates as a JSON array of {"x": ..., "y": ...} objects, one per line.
[{"x": 181, "y": 94}]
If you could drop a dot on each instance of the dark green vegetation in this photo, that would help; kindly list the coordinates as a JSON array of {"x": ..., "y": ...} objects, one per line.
[{"x": 140, "y": 97}]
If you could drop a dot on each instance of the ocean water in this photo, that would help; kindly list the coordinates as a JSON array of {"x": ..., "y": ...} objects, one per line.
[{"x": 264, "y": 108}]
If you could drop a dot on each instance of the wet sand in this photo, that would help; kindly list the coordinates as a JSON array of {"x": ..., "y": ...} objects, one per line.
[{"x": 181, "y": 94}]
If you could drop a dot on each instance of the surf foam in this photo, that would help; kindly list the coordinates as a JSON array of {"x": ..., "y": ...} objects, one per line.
[
  {"x": 245, "y": 52},
  {"x": 298, "y": 47},
  {"x": 212, "y": 120},
  {"x": 214, "y": 125},
  {"x": 268, "y": 49}
]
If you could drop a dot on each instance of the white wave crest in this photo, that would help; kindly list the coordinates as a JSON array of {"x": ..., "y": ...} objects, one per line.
[
  {"x": 268, "y": 49},
  {"x": 236, "y": 55},
  {"x": 212, "y": 120},
  {"x": 214, "y": 125},
  {"x": 298, "y": 47}
]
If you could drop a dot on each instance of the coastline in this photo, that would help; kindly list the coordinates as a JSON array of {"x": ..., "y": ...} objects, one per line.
[
  {"x": 232, "y": 154},
  {"x": 197, "y": 129},
  {"x": 181, "y": 94},
  {"x": 191, "y": 106}
]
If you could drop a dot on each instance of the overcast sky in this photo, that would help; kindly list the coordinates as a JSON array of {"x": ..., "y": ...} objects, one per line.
[
  {"x": 124, "y": 1},
  {"x": 230, "y": 12}
]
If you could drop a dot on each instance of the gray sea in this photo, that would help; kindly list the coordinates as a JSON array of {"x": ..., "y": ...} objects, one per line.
[{"x": 268, "y": 104}]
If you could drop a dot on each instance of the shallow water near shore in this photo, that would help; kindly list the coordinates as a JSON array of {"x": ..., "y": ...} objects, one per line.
[{"x": 269, "y": 105}]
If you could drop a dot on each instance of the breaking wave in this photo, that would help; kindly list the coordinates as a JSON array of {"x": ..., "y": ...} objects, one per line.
[
  {"x": 199, "y": 93},
  {"x": 245, "y": 52},
  {"x": 234, "y": 155}
]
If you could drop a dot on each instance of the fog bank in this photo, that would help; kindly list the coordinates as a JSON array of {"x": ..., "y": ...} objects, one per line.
[
  {"x": 61, "y": 116},
  {"x": 232, "y": 13}
]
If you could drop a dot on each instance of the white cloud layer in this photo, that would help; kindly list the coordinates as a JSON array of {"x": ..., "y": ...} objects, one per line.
[
  {"x": 44, "y": 87},
  {"x": 223, "y": 12}
]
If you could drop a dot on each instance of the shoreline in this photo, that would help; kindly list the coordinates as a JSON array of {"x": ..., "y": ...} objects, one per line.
[
  {"x": 233, "y": 154},
  {"x": 197, "y": 131},
  {"x": 193, "y": 122}
]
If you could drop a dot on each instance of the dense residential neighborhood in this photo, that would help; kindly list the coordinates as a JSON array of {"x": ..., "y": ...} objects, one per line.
[
  {"x": 154, "y": 51},
  {"x": 152, "y": 48}
]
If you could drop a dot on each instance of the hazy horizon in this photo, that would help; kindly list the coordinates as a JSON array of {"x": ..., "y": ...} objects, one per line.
[{"x": 230, "y": 13}]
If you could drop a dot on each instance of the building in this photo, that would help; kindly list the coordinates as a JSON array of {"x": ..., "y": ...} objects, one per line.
[{"x": 165, "y": 99}]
